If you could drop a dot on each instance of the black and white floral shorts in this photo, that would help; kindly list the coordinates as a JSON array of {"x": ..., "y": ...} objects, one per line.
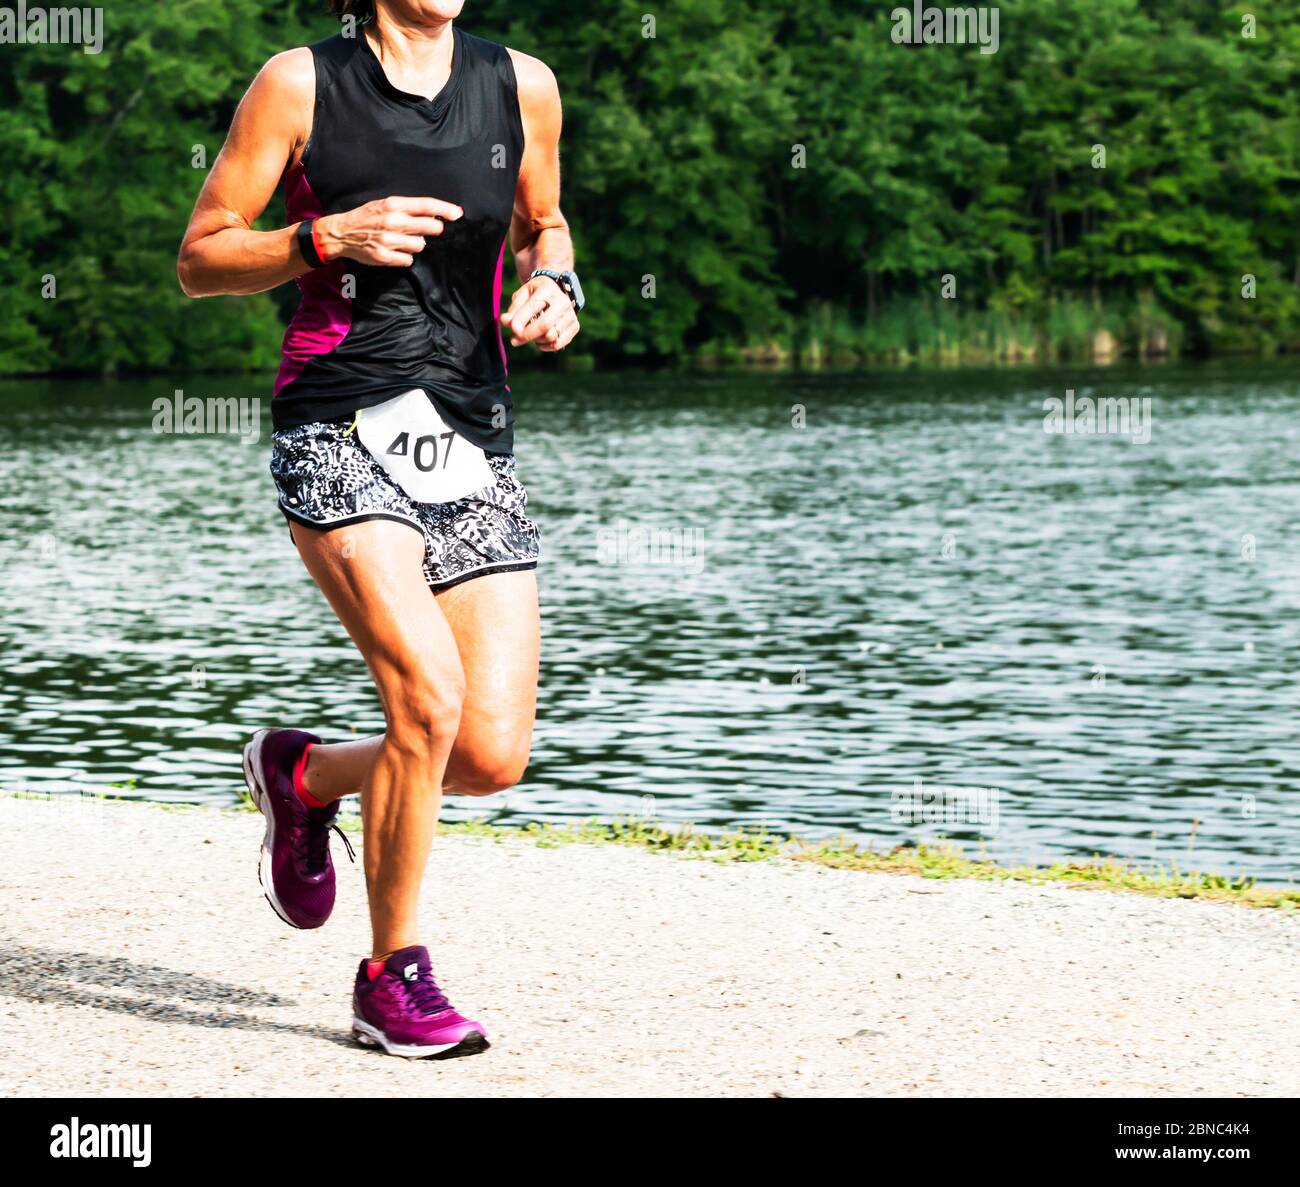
[{"x": 327, "y": 478}]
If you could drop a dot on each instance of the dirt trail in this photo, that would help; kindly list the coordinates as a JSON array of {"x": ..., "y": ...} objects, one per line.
[{"x": 140, "y": 958}]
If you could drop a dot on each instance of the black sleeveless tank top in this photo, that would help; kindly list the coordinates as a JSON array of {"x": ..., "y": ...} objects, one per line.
[{"x": 364, "y": 333}]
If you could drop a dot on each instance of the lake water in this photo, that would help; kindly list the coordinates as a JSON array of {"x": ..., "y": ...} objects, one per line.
[{"x": 1085, "y": 644}]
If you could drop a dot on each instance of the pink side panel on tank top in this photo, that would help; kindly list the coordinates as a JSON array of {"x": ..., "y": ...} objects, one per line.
[
  {"x": 324, "y": 315},
  {"x": 496, "y": 304}
]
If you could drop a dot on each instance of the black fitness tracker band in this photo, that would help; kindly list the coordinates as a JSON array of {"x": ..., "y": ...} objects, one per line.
[{"x": 307, "y": 243}]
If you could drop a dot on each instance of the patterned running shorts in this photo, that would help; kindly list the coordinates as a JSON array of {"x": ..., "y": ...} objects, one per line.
[{"x": 327, "y": 478}]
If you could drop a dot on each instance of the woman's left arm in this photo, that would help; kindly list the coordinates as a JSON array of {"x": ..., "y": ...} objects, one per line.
[{"x": 540, "y": 310}]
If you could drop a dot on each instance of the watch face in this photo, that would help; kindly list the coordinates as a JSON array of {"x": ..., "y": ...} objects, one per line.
[{"x": 578, "y": 299}]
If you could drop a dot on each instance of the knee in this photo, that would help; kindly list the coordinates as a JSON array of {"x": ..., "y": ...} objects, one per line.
[
  {"x": 493, "y": 770},
  {"x": 425, "y": 718}
]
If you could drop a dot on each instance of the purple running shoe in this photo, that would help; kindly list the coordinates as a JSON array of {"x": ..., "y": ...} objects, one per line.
[
  {"x": 403, "y": 1011},
  {"x": 295, "y": 870}
]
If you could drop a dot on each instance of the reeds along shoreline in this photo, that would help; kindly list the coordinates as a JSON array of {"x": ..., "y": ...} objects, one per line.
[{"x": 937, "y": 332}]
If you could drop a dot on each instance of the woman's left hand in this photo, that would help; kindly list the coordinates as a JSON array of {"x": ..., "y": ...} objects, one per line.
[{"x": 541, "y": 312}]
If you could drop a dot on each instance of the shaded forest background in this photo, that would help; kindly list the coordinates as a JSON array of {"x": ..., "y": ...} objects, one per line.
[{"x": 681, "y": 162}]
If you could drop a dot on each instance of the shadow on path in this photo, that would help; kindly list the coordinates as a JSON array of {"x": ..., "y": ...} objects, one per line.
[{"x": 153, "y": 992}]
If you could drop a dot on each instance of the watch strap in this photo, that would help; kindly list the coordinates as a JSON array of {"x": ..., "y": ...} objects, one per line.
[
  {"x": 560, "y": 278},
  {"x": 307, "y": 244}
]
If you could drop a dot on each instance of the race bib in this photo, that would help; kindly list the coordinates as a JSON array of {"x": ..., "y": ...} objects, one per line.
[{"x": 429, "y": 461}]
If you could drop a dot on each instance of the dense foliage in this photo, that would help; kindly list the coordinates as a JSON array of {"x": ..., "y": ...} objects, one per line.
[{"x": 682, "y": 163}]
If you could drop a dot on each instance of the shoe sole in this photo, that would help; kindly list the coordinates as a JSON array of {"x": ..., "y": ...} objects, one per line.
[
  {"x": 372, "y": 1036},
  {"x": 253, "y": 763}
]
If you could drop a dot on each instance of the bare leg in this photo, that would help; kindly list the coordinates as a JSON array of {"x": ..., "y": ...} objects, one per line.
[
  {"x": 337, "y": 769},
  {"x": 494, "y": 620},
  {"x": 372, "y": 576}
]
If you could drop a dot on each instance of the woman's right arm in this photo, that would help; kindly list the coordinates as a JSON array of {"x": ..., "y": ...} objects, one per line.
[{"x": 221, "y": 254}]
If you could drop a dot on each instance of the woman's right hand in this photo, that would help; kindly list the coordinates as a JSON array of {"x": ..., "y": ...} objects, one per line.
[
  {"x": 388, "y": 231},
  {"x": 221, "y": 254}
]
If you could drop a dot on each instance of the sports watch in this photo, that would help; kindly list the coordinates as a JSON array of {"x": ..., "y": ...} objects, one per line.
[
  {"x": 308, "y": 244},
  {"x": 568, "y": 281}
]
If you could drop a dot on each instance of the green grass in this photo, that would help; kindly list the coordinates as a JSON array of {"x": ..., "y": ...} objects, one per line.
[
  {"x": 937, "y": 332},
  {"x": 942, "y": 860},
  {"x": 945, "y": 860}
]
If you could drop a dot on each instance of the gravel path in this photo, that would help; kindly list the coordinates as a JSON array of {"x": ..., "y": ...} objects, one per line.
[{"x": 140, "y": 958}]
